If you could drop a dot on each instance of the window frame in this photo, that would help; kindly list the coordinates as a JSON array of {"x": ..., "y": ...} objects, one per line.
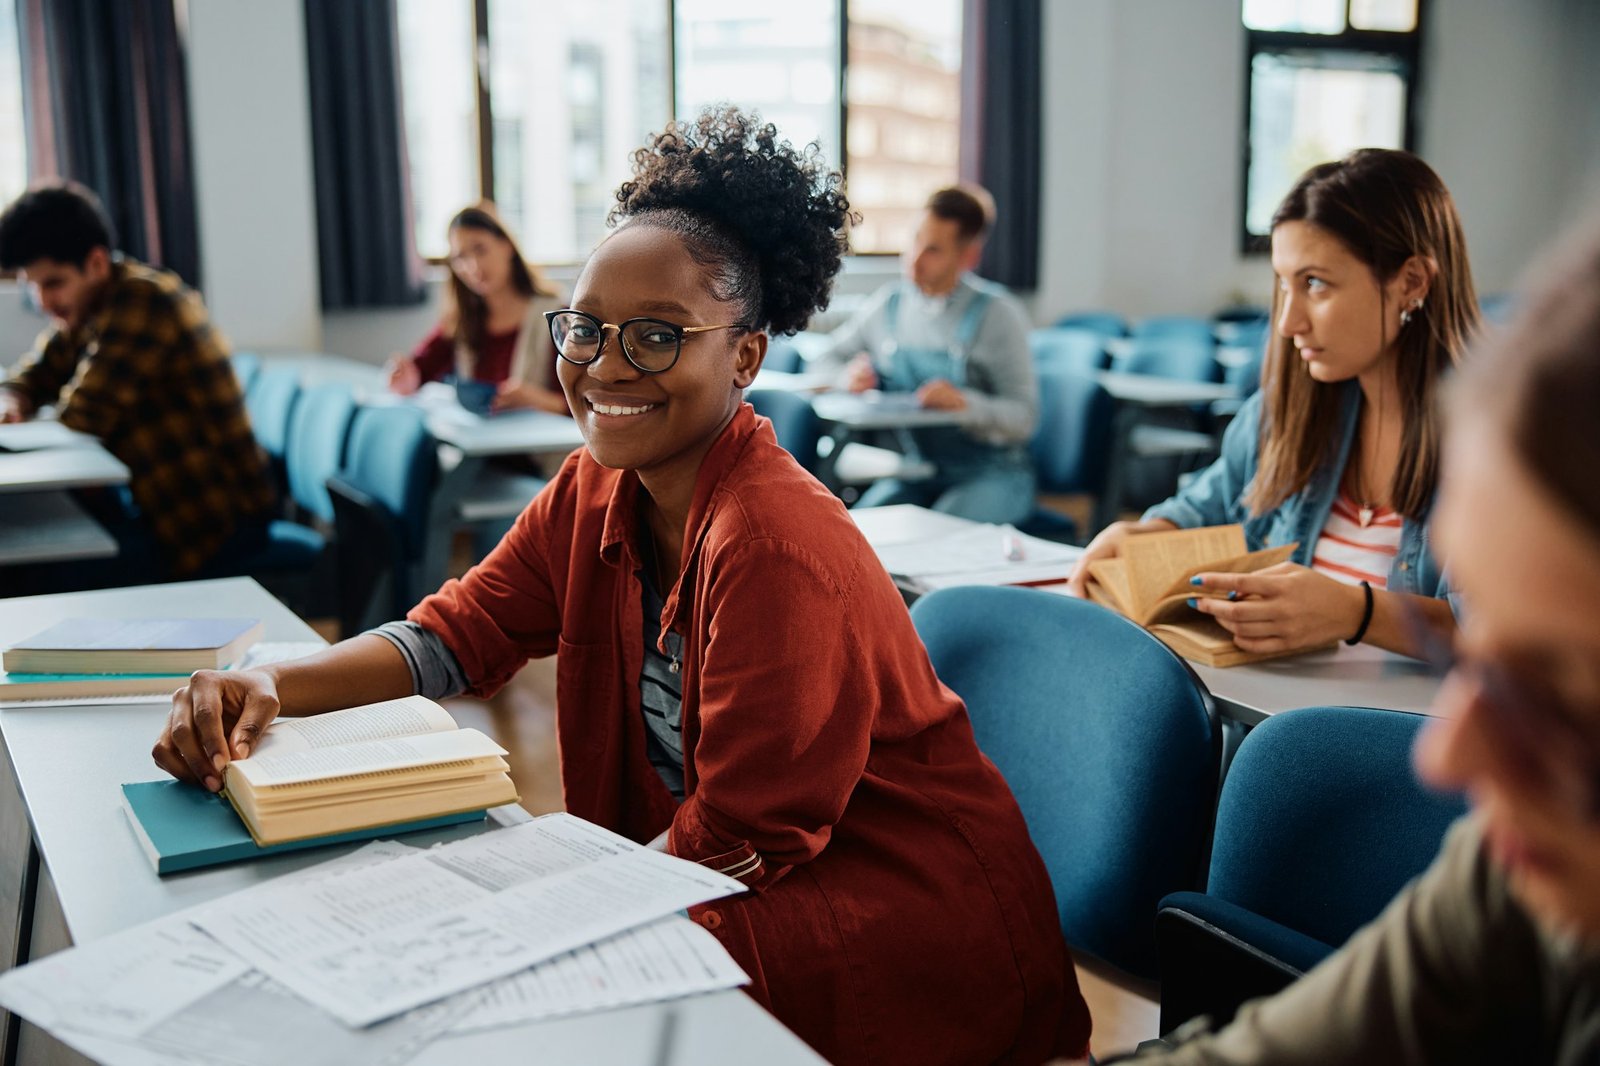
[
  {"x": 484, "y": 111},
  {"x": 1403, "y": 46}
]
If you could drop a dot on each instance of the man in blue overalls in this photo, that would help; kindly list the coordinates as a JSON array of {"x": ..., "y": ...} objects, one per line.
[{"x": 959, "y": 343}]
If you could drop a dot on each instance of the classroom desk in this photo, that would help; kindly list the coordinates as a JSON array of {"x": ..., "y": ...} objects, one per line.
[
  {"x": 63, "y": 768},
  {"x": 1135, "y": 396},
  {"x": 43, "y": 527},
  {"x": 85, "y": 464},
  {"x": 849, "y": 415},
  {"x": 1362, "y": 676}
]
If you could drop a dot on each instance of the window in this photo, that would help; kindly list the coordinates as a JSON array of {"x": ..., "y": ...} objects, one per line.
[
  {"x": 570, "y": 93},
  {"x": 13, "y": 140},
  {"x": 1325, "y": 77}
]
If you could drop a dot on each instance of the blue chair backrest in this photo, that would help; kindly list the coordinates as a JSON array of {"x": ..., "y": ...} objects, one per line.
[
  {"x": 782, "y": 354},
  {"x": 1252, "y": 337},
  {"x": 794, "y": 422},
  {"x": 246, "y": 365},
  {"x": 1072, "y": 447},
  {"x": 1322, "y": 821},
  {"x": 1105, "y": 323},
  {"x": 393, "y": 458},
  {"x": 1175, "y": 326},
  {"x": 270, "y": 401},
  {"x": 1081, "y": 350},
  {"x": 315, "y": 449},
  {"x": 1174, "y": 355},
  {"x": 1107, "y": 740}
]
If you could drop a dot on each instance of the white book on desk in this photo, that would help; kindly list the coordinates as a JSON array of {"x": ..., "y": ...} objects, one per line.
[{"x": 978, "y": 555}]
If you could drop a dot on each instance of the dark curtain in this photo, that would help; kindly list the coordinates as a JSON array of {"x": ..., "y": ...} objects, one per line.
[
  {"x": 366, "y": 253},
  {"x": 106, "y": 104},
  {"x": 1001, "y": 84}
]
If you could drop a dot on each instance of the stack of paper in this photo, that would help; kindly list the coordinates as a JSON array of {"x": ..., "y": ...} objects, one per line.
[
  {"x": 370, "y": 957},
  {"x": 980, "y": 554}
]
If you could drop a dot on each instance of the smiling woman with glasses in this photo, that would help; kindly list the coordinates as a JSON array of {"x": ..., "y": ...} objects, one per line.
[
  {"x": 737, "y": 679},
  {"x": 1493, "y": 955}
]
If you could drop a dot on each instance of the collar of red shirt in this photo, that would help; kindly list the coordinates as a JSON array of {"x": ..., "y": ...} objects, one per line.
[{"x": 619, "y": 545}]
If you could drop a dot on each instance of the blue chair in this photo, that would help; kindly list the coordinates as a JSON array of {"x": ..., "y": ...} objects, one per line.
[
  {"x": 315, "y": 448},
  {"x": 246, "y": 365},
  {"x": 782, "y": 354},
  {"x": 270, "y": 403},
  {"x": 1175, "y": 326},
  {"x": 1107, "y": 739},
  {"x": 1080, "y": 350},
  {"x": 1105, "y": 323},
  {"x": 1171, "y": 355},
  {"x": 380, "y": 505},
  {"x": 794, "y": 421},
  {"x": 1320, "y": 823},
  {"x": 1249, "y": 337},
  {"x": 1071, "y": 446}
]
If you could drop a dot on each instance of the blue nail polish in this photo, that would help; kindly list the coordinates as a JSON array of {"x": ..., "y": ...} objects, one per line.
[
  {"x": 1196, "y": 580},
  {"x": 1233, "y": 594},
  {"x": 1192, "y": 603}
]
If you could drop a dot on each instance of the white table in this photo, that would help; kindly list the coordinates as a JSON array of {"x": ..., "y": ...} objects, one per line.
[
  {"x": 1136, "y": 395},
  {"x": 64, "y": 768},
  {"x": 50, "y": 526},
  {"x": 82, "y": 465},
  {"x": 1362, "y": 676},
  {"x": 849, "y": 415}
]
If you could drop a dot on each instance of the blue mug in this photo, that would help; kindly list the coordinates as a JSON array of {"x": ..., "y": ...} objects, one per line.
[{"x": 475, "y": 396}]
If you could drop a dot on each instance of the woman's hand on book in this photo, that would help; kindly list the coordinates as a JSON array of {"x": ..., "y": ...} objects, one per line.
[
  {"x": 1283, "y": 608},
  {"x": 1107, "y": 544},
  {"x": 218, "y": 716}
]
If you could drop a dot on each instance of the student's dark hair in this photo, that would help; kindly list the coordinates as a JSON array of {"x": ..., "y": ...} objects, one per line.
[
  {"x": 1385, "y": 206},
  {"x": 1540, "y": 376},
  {"x": 465, "y": 315},
  {"x": 970, "y": 207},
  {"x": 765, "y": 218},
  {"x": 61, "y": 220}
]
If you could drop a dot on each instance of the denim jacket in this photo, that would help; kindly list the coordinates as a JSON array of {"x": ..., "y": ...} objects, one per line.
[{"x": 1216, "y": 497}]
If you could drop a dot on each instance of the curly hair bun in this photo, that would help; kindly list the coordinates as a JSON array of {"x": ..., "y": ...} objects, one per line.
[{"x": 766, "y": 219}]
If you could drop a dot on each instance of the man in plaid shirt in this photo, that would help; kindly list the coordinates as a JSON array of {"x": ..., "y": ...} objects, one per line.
[{"x": 131, "y": 357}]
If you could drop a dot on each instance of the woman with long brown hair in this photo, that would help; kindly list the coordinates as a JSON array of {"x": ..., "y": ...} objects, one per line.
[
  {"x": 1339, "y": 451},
  {"x": 492, "y": 327}
]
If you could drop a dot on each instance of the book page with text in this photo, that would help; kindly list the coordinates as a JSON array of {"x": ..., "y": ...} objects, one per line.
[{"x": 406, "y": 717}]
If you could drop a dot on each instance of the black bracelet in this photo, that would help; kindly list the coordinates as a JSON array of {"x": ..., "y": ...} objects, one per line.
[{"x": 1366, "y": 617}]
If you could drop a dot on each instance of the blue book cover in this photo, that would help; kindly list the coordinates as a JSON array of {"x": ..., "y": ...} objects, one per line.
[
  {"x": 182, "y": 827},
  {"x": 134, "y": 645}
]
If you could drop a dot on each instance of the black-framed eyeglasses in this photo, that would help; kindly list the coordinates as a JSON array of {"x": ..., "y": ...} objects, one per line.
[
  {"x": 1541, "y": 732},
  {"x": 650, "y": 344}
]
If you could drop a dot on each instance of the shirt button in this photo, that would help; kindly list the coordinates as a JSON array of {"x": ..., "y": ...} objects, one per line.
[
  {"x": 1405, "y": 566},
  {"x": 711, "y": 920}
]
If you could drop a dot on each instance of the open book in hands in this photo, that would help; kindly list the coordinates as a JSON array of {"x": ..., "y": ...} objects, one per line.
[
  {"x": 1149, "y": 583},
  {"x": 382, "y": 764}
]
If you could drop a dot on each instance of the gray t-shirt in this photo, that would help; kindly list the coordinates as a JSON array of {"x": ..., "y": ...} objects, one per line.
[{"x": 1002, "y": 391}]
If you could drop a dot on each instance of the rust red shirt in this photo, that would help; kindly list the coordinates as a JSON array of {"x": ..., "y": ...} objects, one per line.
[{"x": 898, "y": 911}]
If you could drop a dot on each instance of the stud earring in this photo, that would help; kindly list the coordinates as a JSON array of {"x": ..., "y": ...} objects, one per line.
[{"x": 1405, "y": 316}]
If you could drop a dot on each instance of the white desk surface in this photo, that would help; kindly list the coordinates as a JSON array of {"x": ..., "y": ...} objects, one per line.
[
  {"x": 511, "y": 433},
  {"x": 37, "y": 527},
  {"x": 1362, "y": 676},
  {"x": 905, "y": 523},
  {"x": 83, "y": 465},
  {"x": 880, "y": 410},
  {"x": 1146, "y": 390},
  {"x": 71, "y": 761},
  {"x": 787, "y": 381},
  {"x": 321, "y": 368}
]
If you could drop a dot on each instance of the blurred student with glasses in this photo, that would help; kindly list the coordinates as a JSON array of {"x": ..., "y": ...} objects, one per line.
[
  {"x": 1338, "y": 453},
  {"x": 737, "y": 679},
  {"x": 1493, "y": 955},
  {"x": 490, "y": 339},
  {"x": 958, "y": 343}
]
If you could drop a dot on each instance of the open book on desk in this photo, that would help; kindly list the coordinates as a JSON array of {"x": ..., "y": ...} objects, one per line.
[
  {"x": 980, "y": 554},
  {"x": 1149, "y": 583}
]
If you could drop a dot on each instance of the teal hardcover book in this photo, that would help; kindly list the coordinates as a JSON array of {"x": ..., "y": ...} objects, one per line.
[{"x": 181, "y": 827}]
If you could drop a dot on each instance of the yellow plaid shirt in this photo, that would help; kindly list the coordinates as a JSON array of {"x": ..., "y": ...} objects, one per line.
[{"x": 149, "y": 376}]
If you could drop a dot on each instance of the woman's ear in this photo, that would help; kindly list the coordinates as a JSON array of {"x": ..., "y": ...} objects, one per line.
[
  {"x": 1413, "y": 281},
  {"x": 748, "y": 357}
]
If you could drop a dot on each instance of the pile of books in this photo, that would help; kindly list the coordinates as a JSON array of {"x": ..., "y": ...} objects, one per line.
[{"x": 94, "y": 658}]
